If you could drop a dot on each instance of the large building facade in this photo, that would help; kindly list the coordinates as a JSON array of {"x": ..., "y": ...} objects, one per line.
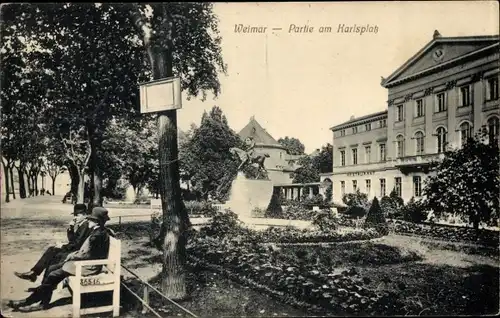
[{"x": 442, "y": 95}]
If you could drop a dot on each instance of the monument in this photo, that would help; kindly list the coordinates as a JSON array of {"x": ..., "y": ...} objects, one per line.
[{"x": 248, "y": 194}]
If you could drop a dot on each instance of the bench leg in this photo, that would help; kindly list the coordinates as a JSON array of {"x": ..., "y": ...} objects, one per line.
[
  {"x": 76, "y": 303},
  {"x": 116, "y": 301}
]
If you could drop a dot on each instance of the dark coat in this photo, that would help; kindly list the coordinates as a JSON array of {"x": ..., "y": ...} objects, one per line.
[
  {"x": 77, "y": 239},
  {"x": 95, "y": 247}
]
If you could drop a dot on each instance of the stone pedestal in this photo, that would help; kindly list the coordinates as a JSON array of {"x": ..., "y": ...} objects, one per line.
[{"x": 247, "y": 194}]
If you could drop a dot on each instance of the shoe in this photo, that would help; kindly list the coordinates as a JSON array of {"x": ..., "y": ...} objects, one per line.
[
  {"x": 33, "y": 307},
  {"x": 15, "y": 304},
  {"x": 27, "y": 276}
]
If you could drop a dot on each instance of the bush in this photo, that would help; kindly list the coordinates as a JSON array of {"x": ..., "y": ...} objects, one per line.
[
  {"x": 392, "y": 205},
  {"x": 375, "y": 218},
  {"x": 204, "y": 208},
  {"x": 224, "y": 224},
  {"x": 414, "y": 211},
  {"x": 357, "y": 204},
  {"x": 325, "y": 221},
  {"x": 274, "y": 209}
]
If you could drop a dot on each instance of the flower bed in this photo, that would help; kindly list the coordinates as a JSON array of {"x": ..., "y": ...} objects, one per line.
[
  {"x": 293, "y": 235},
  {"x": 294, "y": 280},
  {"x": 448, "y": 233}
]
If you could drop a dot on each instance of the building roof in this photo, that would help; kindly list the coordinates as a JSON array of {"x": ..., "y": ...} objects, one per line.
[
  {"x": 454, "y": 49},
  {"x": 359, "y": 119},
  {"x": 259, "y": 134}
]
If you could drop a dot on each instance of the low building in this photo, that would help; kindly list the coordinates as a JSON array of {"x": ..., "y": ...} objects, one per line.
[
  {"x": 436, "y": 100},
  {"x": 280, "y": 165}
]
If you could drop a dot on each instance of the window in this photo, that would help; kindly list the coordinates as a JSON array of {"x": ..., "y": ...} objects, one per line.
[
  {"x": 417, "y": 186},
  {"x": 368, "y": 127},
  {"x": 355, "y": 130},
  {"x": 342, "y": 157},
  {"x": 382, "y": 152},
  {"x": 342, "y": 133},
  {"x": 342, "y": 187},
  {"x": 281, "y": 155},
  {"x": 419, "y": 142},
  {"x": 382, "y": 187},
  {"x": 397, "y": 186},
  {"x": 492, "y": 88},
  {"x": 400, "y": 146},
  {"x": 441, "y": 139},
  {"x": 368, "y": 186},
  {"x": 354, "y": 156},
  {"x": 465, "y": 96},
  {"x": 399, "y": 113},
  {"x": 440, "y": 102},
  {"x": 493, "y": 128},
  {"x": 383, "y": 123},
  {"x": 419, "y": 108},
  {"x": 354, "y": 185},
  {"x": 368, "y": 153},
  {"x": 465, "y": 132}
]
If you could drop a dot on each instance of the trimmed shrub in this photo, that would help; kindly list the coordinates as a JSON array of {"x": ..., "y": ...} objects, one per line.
[
  {"x": 375, "y": 218},
  {"x": 414, "y": 211}
]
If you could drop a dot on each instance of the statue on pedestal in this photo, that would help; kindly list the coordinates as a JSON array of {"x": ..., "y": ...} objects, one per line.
[{"x": 250, "y": 157}]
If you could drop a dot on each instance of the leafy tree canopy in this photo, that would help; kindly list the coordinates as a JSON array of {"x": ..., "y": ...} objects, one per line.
[
  {"x": 466, "y": 182},
  {"x": 292, "y": 145}
]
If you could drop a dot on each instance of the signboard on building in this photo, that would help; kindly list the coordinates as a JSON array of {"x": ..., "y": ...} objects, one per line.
[{"x": 161, "y": 95}]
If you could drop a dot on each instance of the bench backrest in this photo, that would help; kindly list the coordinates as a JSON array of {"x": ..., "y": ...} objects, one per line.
[{"x": 114, "y": 253}]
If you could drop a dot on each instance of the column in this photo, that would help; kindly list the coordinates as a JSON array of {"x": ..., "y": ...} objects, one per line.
[
  {"x": 452, "y": 100},
  {"x": 430, "y": 145},
  {"x": 479, "y": 91},
  {"x": 310, "y": 192}
]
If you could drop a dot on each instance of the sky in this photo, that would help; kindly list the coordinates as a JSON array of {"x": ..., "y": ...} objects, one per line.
[{"x": 309, "y": 82}]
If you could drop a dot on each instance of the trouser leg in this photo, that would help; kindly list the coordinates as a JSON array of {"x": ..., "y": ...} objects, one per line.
[
  {"x": 45, "y": 260},
  {"x": 43, "y": 293}
]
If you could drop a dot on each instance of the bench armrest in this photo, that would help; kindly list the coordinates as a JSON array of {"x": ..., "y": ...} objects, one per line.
[{"x": 95, "y": 262}]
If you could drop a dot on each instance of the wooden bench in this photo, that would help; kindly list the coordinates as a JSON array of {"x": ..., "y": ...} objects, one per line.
[{"x": 107, "y": 280}]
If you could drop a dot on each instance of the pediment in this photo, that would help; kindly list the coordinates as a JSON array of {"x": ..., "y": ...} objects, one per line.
[{"x": 441, "y": 51}]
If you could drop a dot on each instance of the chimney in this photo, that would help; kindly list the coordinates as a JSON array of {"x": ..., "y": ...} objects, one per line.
[
  {"x": 436, "y": 34},
  {"x": 352, "y": 117}
]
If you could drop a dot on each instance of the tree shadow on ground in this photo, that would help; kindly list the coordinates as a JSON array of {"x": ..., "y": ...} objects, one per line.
[{"x": 429, "y": 289}]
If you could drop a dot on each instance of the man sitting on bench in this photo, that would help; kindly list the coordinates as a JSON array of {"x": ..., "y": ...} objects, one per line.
[
  {"x": 95, "y": 247},
  {"x": 77, "y": 233}
]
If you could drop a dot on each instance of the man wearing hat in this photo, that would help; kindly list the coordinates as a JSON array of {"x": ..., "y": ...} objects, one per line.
[
  {"x": 95, "y": 247},
  {"x": 77, "y": 233}
]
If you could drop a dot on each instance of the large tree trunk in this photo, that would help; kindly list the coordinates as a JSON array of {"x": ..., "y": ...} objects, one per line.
[
  {"x": 7, "y": 182},
  {"x": 175, "y": 218},
  {"x": 75, "y": 179},
  {"x": 22, "y": 184},
  {"x": 11, "y": 173},
  {"x": 35, "y": 182},
  {"x": 53, "y": 184}
]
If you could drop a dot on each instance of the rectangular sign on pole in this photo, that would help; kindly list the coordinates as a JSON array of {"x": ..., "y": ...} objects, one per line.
[{"x": 161, "y": 95}]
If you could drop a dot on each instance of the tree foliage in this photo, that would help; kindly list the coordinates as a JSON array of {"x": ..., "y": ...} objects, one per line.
[
  {"x": 466, "y": 182},
  {"x": 312, "y": 165},
  {"x": 292, "y": 145},
  {"x": 206, "y": 158}
]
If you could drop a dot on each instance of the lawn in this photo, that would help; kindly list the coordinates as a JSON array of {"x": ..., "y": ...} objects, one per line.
[{"x": 431, "y": 279}]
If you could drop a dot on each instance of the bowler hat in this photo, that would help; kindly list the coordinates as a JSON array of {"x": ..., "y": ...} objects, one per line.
[
  {"x": 99, "y": 214},
  {"x": 79, "y": 208}
]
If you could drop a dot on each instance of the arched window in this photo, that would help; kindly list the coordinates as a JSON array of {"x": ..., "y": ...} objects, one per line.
[
  {"x": 400, "y": 146},
  {"x": 465, "y": 132},
  {"x": 493, "y": 127},
  {"x": 441, "y": 139},
  {"x": 419, "y": 142}
]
